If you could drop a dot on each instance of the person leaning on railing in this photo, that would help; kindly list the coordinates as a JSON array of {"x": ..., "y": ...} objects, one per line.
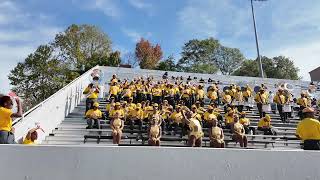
[
  {"x": 308, "y": 130},
  {"x": 6, "y": 115}
]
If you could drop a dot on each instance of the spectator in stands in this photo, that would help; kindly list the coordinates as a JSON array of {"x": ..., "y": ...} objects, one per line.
[
  {"x": 308, "y": 130},
  {"x": 93, "y": 117},
  {"x": 238, "y": 132},
  {"x": 265, "y": 126},
  {"x": 154, "y": 130},
  {"x": 32, "y": 136},
  {"x": 196, "y": 133},
  {"x": 117, "y": 125},
  {"x": 246, "y": 124},
  {"x": 261, "y": 99},
  {"x": 92, "y": 94},
  {"x": 216, "y": 134},
  {"x": 6, "y": 115}
]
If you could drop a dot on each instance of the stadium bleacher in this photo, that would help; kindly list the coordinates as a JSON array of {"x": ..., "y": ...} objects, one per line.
[{"x": 72, "y": 130}]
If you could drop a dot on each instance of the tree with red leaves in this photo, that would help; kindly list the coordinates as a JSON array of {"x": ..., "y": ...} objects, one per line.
[{"x": 147, "y": 54}]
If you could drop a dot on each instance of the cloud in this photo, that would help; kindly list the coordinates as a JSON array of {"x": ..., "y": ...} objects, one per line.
[
  {"x": 288, "y": 27},
  {"x": 134, "y": 35},
  {"x": 143, "y": 5},
  {"x": 20, "y": 34},
  {"x": 200, "y": 19},
  {"x": 108, "y": 7},
  {"x": 140, "y": 4}
]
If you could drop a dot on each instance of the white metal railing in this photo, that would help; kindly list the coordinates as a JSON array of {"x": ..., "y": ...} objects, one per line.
[{"x": 54, "y": 109}]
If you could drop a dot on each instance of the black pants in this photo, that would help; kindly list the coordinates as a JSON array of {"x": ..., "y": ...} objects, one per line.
[
  {"x": 135, "y": 122},
  {"x": 93, "y": 123},
  {"x": 247, "y": 129},
  {"x": 116, "y": 98},
  {"x": 187, "y": 102},
  {"x": 157, "y": 99},
  {"x": 181, "y": 126},
  {"x": 240, "y": 108},
  {"x": 268, "y": 131},
  {"x": 282, "y": 114},
  {"x": 311, "y": 145},
  {"x": 201, "y": 100},
  {"x": 172, "y": 102},
  {"x": 261, "y": 113},
  {"x": 7, "y": 137},
  {"x": 300, "y": 112},
  {"x": 89, "y": 103}
]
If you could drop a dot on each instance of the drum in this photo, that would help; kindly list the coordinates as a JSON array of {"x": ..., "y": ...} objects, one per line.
[
  {"x": 266, "y": 108},
  {"x": 286, "y": 108}
]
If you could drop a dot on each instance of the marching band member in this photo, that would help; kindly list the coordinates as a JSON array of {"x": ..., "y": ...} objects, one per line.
[
  {"x": 280, "y": 100},
  {"x": 303, "y": 102},
  {"x": 261, "y": 99},
  {"x": 239, "y": 99}
]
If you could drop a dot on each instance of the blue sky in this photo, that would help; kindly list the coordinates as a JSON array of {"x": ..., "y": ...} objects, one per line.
[{"x": 285, "y": 27}]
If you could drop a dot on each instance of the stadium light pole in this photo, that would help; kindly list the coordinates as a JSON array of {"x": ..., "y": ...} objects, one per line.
[{"x": 257, "y": 41}]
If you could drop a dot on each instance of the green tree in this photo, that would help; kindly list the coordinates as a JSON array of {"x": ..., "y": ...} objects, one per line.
[
  {"x": 278, "y": 67},
  {"x": 82, "y": 46},
  {"x": 167, "y": 64},
  {"x": 148, "y": 55},
  {"x": 38, "y": 77},
  {"x": 248, "y": 68},
  {"x": 196, "y": 53},
  {"x": 229, "y": 59}
]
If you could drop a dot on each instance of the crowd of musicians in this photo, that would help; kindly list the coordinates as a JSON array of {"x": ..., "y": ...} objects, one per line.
[{"x": 178, "y": 107}]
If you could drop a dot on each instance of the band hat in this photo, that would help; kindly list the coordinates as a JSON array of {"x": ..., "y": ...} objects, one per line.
[{"x": 95, "y": 104}]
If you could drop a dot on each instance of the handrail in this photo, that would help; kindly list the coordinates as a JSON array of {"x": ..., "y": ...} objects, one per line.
[{"x": 50, "y": 97}]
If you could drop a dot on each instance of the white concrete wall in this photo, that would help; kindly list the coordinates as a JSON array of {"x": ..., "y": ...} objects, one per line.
[
  {"x": 134, "y": 163},
  {"x": 53, "y": 110}
]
